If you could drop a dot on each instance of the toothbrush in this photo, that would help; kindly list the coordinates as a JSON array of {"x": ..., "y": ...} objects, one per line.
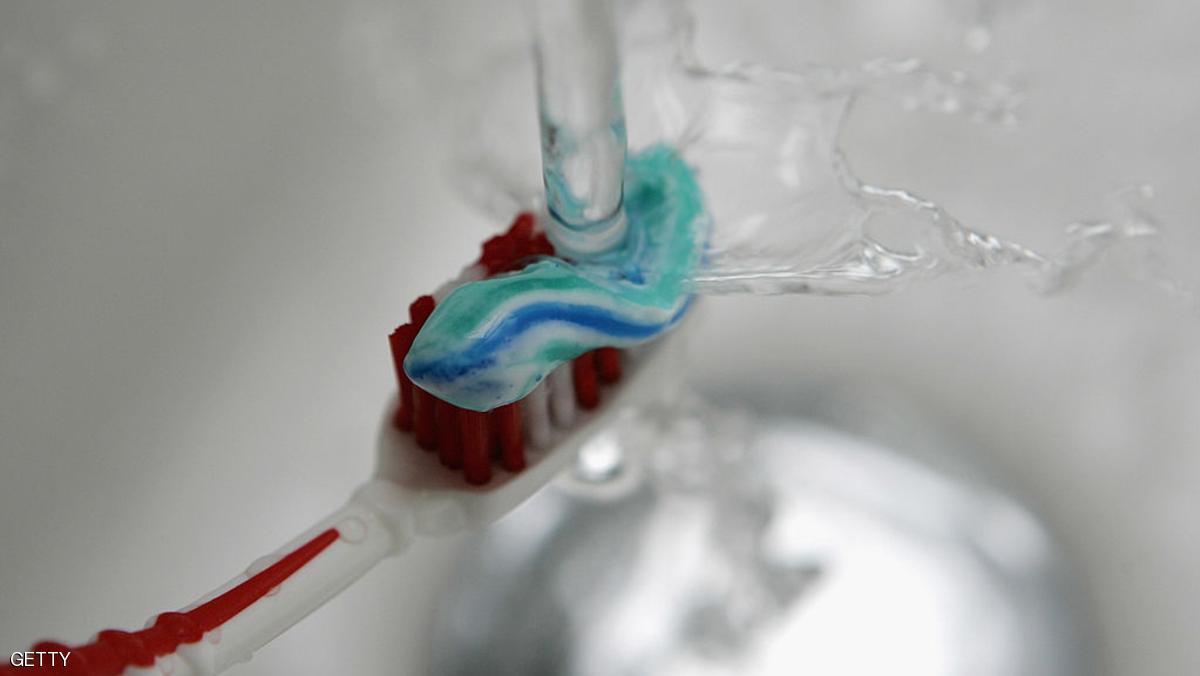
[
  {"x": 502, "y": 373},
  {"x": 416, "y": 491}
]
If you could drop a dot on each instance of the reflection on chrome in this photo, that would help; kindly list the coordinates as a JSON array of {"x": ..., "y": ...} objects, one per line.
[{"x": 808, "y": 551}]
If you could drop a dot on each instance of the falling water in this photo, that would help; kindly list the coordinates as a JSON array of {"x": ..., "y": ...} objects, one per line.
[{"x": 789, "y": 213}]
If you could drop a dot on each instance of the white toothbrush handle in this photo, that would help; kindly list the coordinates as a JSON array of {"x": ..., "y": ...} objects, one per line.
[
  {"x": 367, "y": 531},
  {"x": 226, "y": 626}
]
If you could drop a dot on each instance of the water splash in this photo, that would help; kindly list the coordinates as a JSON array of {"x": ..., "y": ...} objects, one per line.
[
  {"x": 792, "y": 217},
  {"x": 790, "y": 214}
]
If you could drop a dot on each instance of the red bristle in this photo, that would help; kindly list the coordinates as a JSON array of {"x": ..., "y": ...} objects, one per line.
[
  {"x": 424, "y": 415},
  {"x": 587, "y": 391},
  {"x": 420, "y": 310},
  {"x": 498, "y": 253},
  {"x": 493, "y": 246},
  {"x": 522, "y": 226},
  {"x": 400, "y": 341},
  {"x": 608, "y": 364},
  {"x": 507, "y": 421},
  {"x": 467, "y": 438},
  {"x": 425, "y": 419},
  {"x": 512, "y": 250},
  {"x": 449, "y": 450},
  {"x": 540, "y": 246},
  {"x": 476, "y": 460},
  {"x": 402, "y": 418}
]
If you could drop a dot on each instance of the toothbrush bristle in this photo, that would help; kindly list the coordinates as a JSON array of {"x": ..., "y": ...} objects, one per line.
[
  {"x": 467, "y": 440},
  {"x": 476, "y": 447},
  {"x": 509, "y": 251},
  {"x": 400, "y": 341},
  {"x": 424, "y": 419},
  {"x": 420, "y": 310},
  {"x": 583, "y": 372},
  {"x": 424, "y": 403},
  {"x": 512, "y": 442},
  {"x": 448, "y": 444},
  {"x": 608, "y": 365}
]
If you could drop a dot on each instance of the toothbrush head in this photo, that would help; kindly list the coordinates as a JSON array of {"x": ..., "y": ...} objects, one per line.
[
  {"x": 505, "y": 370},
  {"x": 441, "y": 501},
  {"x": 514, "y": 437}
]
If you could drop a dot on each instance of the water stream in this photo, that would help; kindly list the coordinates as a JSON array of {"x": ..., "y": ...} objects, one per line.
[{"x": 790, "y": 214}]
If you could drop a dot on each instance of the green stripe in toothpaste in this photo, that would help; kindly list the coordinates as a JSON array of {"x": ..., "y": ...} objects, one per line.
[{"x": 490, "y": 342}]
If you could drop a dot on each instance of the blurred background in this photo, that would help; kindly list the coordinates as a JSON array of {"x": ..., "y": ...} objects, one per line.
[{"x": 211, "y": 214}]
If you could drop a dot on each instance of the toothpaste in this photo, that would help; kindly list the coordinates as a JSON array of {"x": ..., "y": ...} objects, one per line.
[{"x": 490, "y": 342}]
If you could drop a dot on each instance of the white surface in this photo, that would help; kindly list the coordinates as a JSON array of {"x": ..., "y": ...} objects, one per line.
[{"x": 211, "y": 214}]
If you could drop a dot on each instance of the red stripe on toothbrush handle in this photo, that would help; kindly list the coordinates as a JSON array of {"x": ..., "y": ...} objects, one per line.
[
  {"x": 113, "y": 651},
  {"x": 223, "y": 608}
]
